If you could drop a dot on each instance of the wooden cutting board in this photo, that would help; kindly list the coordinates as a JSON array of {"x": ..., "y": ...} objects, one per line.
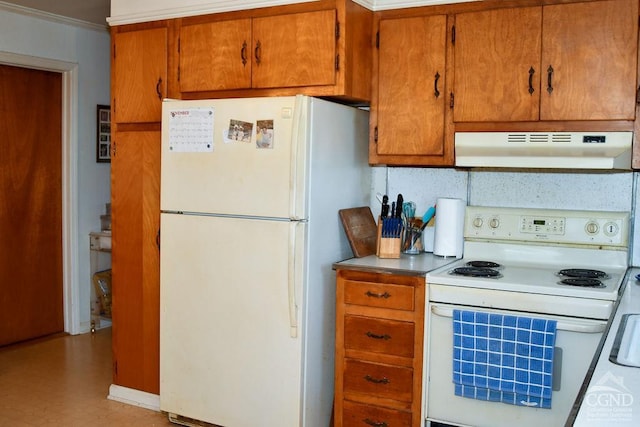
[{"x": 361, "y": 230}]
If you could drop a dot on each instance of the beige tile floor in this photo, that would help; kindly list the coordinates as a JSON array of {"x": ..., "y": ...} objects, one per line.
[{"x": 64, "y": 381}]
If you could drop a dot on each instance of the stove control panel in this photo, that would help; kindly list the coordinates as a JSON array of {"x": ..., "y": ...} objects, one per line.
[
  {"x": 547, "y": 225},
  {"x": 542, "y": 224}
]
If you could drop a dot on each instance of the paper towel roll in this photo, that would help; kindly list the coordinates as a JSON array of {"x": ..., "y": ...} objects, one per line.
[{"x": 449, "y": 232}]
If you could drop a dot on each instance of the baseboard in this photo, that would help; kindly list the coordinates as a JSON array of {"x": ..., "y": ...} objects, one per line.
[{"x": 134, "y": 397}]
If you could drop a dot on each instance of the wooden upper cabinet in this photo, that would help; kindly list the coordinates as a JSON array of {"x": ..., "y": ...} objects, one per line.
[
  {"x": 592, "y": 49},
  {"x": 497, "y": 65},
  {"x": 139, "y": 74},
  {"x": 409, "y": 96},
  {"x": 320, "y": 48},
  {"x": 276, "y": 51},
  {"x": 562, "y": 62},
  {"x": 216, "y": 56},
  {"x": 295, "y": 50}
]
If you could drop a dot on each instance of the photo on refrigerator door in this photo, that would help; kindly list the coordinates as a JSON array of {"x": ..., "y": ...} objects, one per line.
[
  {"x": 264, "y": 135},
  {"x": 239, "y": 131}
]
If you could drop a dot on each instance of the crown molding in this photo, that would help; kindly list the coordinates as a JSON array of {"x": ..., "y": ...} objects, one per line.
[
  {"x": 126, "y": 14},
  {"x": 51, "y": 17}
]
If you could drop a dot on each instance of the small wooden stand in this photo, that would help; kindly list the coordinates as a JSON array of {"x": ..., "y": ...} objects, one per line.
[{"x": 387, "y": 247}]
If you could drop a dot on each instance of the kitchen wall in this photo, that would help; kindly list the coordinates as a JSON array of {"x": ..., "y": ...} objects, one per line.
[
  {"x": 612, "y": 191},
  {"x": 30, "y": 39}
]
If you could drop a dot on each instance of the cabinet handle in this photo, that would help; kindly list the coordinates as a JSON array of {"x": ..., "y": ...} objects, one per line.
[
  {"x": 375, "y": 295},
  {"x": 375, "y": 423},
  {"x": 158, "y": 88},
  {"x": 531, "y": 73},
  {"x": 436, "y": 92},
  {"x": 378, "y": 337},
  {"x": 549, "y": 79},
  {"x": 243, "y": 53},
  {"x": 383, "y": 380},
  {"x": 256, "y": 52}
]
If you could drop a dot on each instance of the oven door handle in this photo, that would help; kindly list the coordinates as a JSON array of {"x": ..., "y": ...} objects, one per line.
[{"x": 573, "y": 326}]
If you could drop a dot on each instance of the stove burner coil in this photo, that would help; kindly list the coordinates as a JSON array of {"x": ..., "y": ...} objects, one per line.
[
  {"x": 584, "y": 282},
  {"x": 475, "y": 272},
  {"x": 583, "y": 273},
  {"x": 483, "y": 264}
]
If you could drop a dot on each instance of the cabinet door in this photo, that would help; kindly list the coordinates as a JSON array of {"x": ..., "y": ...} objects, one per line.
[
  {"x": 294, "y": 50},
  {"x": 410, "y": 101},
  {"x": 497, "y": 65},
  {"x": 592, "y": 49},
  {"x": 140, "y": 75},
  {"x": 135, "y": 198},
  {"x": 216, "y": 56}
]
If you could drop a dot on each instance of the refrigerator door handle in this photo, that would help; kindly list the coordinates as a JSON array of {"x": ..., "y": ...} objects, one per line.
[
  {"x": 298, "y": 158},
  {"x": 293, "y": 279}
]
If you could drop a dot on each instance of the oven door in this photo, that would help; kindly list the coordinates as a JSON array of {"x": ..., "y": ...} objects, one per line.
[{"x": 577, "y": 338}]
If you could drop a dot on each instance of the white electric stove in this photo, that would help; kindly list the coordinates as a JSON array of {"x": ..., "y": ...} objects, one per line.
[
  {"x": 536, "y": 255},
  {"x": 562, "y": 265}
]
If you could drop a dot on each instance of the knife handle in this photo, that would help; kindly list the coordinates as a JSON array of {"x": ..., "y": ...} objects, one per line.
[
  {"x": 384, "y": 212},
  {"x": 398, "y": 210}
]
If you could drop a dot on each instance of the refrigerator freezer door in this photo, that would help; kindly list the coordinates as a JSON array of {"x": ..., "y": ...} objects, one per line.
[
  {"x": 227, "y": 354},
  {"x": 239, "y": 173}
]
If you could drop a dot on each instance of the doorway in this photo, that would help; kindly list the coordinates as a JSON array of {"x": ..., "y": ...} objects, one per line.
[
  {"x": 31, "y": 291},
  {"x": 70, "y": 272}
]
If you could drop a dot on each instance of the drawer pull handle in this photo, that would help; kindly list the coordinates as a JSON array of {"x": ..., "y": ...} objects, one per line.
[
  {"x": 375, "y": 423},
  {"x": 550, "y": 79},
  {"x": 375, "y": 295},
  {"x": 258, "y": 52},
  {"x": 243, "y": 53},
  {"x": 378, "y": 337},
  {"x": 383, "y": 380},
  {"x": 531, "y": 73}
]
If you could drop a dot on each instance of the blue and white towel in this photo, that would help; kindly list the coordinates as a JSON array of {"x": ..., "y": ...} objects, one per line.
[{"x": 503, "y": 358}]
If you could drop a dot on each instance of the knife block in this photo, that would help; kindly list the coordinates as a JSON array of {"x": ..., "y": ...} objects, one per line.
[{"x": 387, "y": 247}]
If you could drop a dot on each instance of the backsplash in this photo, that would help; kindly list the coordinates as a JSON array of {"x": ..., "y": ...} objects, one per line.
[{"x": 609, "y": 191}]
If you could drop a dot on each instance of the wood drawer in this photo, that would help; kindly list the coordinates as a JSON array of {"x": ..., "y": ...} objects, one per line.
[
  {"x": 382, "y": 295},
  {"x": 393, "y": 382},
  {"x": 357, "y": 414},
  {"x": 379, "y": 335}
]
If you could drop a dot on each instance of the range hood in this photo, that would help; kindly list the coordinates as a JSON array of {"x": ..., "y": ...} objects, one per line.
[{"x": 549, "y": 150}]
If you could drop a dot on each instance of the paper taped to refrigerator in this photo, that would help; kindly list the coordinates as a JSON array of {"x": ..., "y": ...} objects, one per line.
[{"x": 191, "y": 130}]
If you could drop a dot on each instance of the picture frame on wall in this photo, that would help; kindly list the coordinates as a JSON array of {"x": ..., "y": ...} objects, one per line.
[{"x": 103, "y": 125}]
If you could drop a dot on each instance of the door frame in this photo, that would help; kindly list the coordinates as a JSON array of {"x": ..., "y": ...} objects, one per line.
[{"x": 70, "y": 271}]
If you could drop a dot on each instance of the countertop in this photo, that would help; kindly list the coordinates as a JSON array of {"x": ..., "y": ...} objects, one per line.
[
  {"x": 410, "y": 265},
  {"x": 612, "y": 396}
]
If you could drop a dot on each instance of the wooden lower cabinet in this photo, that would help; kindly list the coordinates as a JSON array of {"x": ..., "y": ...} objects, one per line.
[
  {"x": 379, "y": 349},
  {"x": 135, "y": 199},
  {"x": 355, "y": 414}
]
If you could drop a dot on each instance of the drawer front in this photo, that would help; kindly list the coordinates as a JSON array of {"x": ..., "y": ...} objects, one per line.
[
  {"x": 379, "y": 335},
  {"x": 393, "y": 382},
  {"x": 359, "y": 415},
  {"x": 385, "y": 295}
]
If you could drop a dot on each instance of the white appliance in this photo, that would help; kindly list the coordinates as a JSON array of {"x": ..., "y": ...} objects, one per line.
[
  {"x": 250, "y": 194},
  {"x": 561, "y": 265},
  {"x": 547, "y": 150}
]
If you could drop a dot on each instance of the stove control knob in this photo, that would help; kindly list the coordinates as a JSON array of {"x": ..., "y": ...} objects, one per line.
[
  {"x": 477, "y": 222},
  {"x": 494, "y": 223},
  {"x": 592, "y": 228},
  {"x": 611, "y": 229}
]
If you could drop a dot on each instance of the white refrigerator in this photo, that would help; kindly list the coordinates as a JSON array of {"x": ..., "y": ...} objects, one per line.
[{"x": 250, "y": 193}]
